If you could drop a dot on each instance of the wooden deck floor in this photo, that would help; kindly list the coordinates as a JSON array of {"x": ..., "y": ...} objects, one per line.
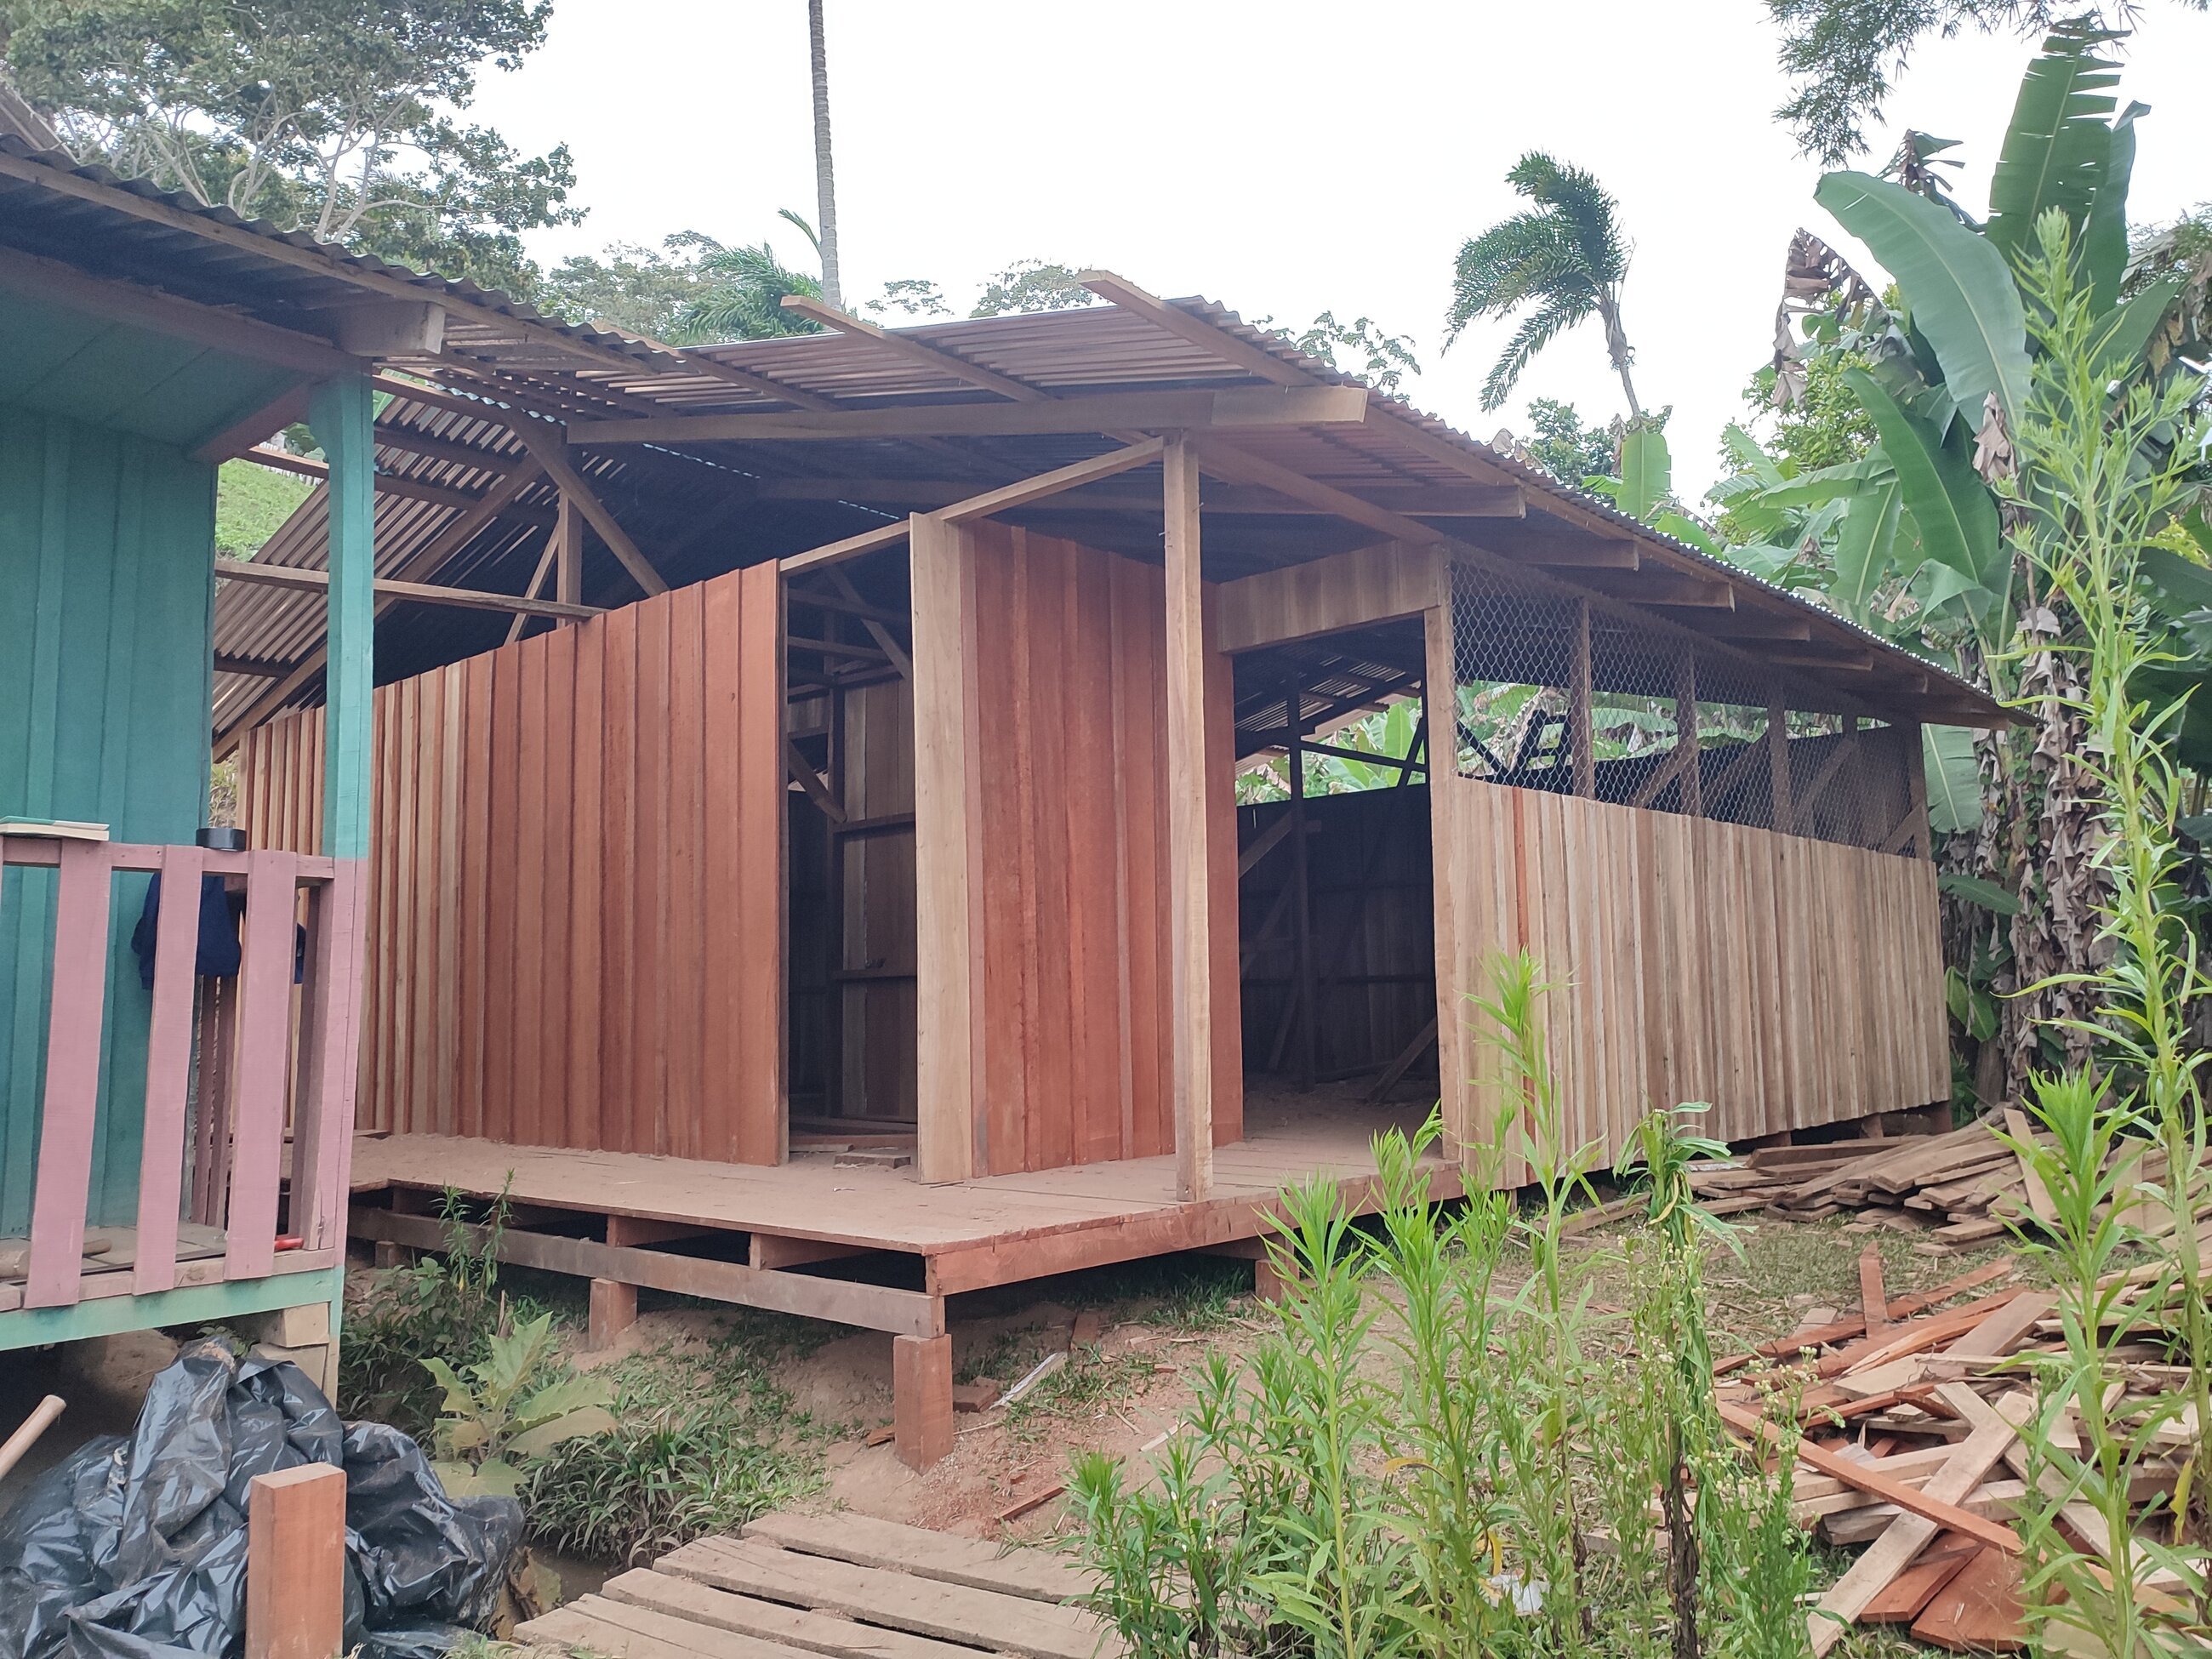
[
  {"x": 972, "y": 1233},
  {"x": 842, "y": 1585}
]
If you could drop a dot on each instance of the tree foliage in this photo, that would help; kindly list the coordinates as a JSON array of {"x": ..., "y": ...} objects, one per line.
[
  {"x": 1556, "y": 265},
  {"x": 1564, "y": 447},
  {"x": 1845, "y": 56},
  {"x": 335, "y": 119}
]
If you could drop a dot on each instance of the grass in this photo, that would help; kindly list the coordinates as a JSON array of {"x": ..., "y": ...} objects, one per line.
[
  {"x": 707, "y": 1440},
  {"x": 250, "y": 502},
  {"x": 1086, "y": 1385}
]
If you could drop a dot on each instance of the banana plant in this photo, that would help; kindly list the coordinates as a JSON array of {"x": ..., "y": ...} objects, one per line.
[
  {"x": 1908, "y": 539},
  {"x": 500, "y": 1414}
]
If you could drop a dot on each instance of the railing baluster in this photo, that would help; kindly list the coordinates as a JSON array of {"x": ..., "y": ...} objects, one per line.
[
  {"x": 330, "y": 1033},
  {"x": 72, "y": 1092},
  {"x": 168, "y": 1069},
  {"x": 264, "y": 1029}
]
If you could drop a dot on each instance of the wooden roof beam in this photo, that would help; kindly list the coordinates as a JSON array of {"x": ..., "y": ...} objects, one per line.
[
  {"x": 1600, "y": 553},
  {"x": 1236, "y": 409},
  {"x": 387, "y": 483},
  {"x": 456, "y": 536},
  {"x": 1657, "y": 585},
  {"x": 1194, "y": 330},
  {"x": 551, "y": 455},
  {"x": 249, "y": 430},
  {"x": 917, "y": 352},
  {"x": 318, "y": 581},
  {"x": 925, "y": 495},
  {"x": 713, "y": 369}
]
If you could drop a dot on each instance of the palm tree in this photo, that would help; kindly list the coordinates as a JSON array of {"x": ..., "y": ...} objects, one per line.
[
  {"x": 825, "y": 186},
  {"x": 1564, "y": 260},
  {"x": 740, "y": 294}
]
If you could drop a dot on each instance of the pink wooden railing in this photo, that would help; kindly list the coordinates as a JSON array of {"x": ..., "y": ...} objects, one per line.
[{"x": 263, "y": 1065}]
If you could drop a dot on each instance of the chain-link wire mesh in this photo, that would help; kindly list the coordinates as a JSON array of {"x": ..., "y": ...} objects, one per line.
[{"x": 1670, "y": 727}]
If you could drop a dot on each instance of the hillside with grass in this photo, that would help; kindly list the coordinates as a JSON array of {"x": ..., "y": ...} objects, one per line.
[{"x": 250, "y": 502}]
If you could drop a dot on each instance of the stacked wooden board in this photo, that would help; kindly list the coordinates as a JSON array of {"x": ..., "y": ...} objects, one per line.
[
  {"x": 844, "y": 1585},
  {"x": 1907, "y": 1440},
  {"x": 1962, "y": 1187}
]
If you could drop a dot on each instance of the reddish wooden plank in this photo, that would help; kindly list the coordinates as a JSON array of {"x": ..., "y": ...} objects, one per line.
[
  {"x": 1049, "y": 1129},
  {"x": 526, "y": 873},
  {"x": 762, "y": 1122},
  {"x": 1001, "y": 672},
  {"x": 682, "y": 1005},
  {"x": 1095, "y": 1030},
  {"x": 71, "y": 1102},
  {"x": 265, "y": 1010},
  {"x": 722, "y": 869},
  {"x": 1912, "y": 1590},
  {"x": 559, "y": 874},
  {"x": 502, "y": 894},
  {"x": 617, "y": 992},
  {"x": 1139, "y": 609},
  {"x": 1978, "y": 1611},
  {"x": 168, "y": 1071},
  {"x": 584, "y": 990},
  {"x": 476, "y": 877},
  {"x": 650, "y": 1027}
]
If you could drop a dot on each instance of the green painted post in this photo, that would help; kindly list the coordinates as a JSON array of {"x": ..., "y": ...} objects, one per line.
[{"x": 342, "y": 414}]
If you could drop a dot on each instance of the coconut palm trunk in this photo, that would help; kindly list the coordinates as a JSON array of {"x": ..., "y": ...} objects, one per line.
[{"x": 825, "y": 184}]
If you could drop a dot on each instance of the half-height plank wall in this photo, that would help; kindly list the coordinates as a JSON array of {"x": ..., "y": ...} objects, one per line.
[
  {"x": 1041, "y": 823},
  {"x": 1785, "y": 981},
  {"x": 576, "y": 903}
]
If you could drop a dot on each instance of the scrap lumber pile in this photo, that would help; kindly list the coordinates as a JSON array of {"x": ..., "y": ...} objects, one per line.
[
  {"x": 1907, "y": 1440},
  {"x": 1962, "y": 1187}
]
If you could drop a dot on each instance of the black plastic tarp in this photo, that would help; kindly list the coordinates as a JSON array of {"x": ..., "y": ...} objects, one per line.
[{"x": 135, "y": 1548}]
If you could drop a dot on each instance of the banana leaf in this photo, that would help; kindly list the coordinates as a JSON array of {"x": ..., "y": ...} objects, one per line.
[
  {"x": 1646, "y": 471},
  {"x": 1986, "y": 893},
  {"x": 2123, "y": 334},
  {"x": 1866, "y": 544},
  {"x": 1950, "y": 506},
  {"x": 1962, "y": 295},
  {"x": 2057, "y": 146},
  {"x": 2104, "y": 238},
  {"x": 1954, "y": 782}
]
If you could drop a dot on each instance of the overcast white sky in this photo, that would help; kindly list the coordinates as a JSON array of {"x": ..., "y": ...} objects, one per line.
[{"x": 1283, "y": 158}]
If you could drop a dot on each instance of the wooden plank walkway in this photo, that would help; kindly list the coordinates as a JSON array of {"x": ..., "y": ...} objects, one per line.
[{"x": 844, "y": 1585}]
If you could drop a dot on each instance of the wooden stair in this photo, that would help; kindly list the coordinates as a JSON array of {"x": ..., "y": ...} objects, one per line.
[{"x": 844, "y": 1585}]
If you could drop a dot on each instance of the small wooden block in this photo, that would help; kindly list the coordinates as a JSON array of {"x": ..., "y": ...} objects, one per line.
[
  {"x": 295, "y": 1564},
  {"x": 977, "y": 1396},
  {"x": 1090, "y": 1328},
  {"x": 921, "y": 1398},
  {"x": 1267, "y": 1284},
  {"x": 1911, "y": 1590},
  {"x": 297, "y": 1328},
  {"x": 1978, "y": 1611},
  {"x": 614, "y": 1310}
]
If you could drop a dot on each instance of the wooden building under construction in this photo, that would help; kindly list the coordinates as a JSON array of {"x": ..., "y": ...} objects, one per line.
[{"x": 900, "y": 837}]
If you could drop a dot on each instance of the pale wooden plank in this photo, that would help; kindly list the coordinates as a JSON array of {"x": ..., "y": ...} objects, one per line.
[
  {"x": 795, "y": 1627},
  {"x": 866, "y": 1542},
  {"x": 1010, "y": 1624}
]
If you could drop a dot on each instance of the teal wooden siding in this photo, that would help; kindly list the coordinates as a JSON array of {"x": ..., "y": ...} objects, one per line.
[{"x": 107, "y": 599}]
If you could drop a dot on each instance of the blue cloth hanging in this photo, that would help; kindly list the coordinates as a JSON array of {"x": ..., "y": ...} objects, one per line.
[{"x": 217, "y": 956}]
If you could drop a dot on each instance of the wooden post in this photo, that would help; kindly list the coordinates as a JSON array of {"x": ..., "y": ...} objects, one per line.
[
  {"x": 295, "y": 1564},
  {"x": 341, "y": 416},
  {"x": 568, "y": 553},
  {"x": 613, "y": 1310},
  {"x": 1301, "y": 906},
  {"x": 1440, "y": 705},
  {"x": 1778, "y": 764},
  {"x": 947, "y": 828},
  {"x": 1189, "y": 925},
  {"x": 1579, "y": 734},
  {"x": 1691, "y": 787},
  {"x": 1916, "y": 789},
  {"x": 921, "y": 1398}
]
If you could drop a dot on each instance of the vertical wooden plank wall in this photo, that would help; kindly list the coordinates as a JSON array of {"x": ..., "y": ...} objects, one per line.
[
  {"x": 574, "y": 905},
  {"x": 1784, "y": 980},
  {"x": 1042, "y": 856}
]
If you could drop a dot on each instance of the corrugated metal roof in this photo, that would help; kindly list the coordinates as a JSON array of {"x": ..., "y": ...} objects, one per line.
[{"x": 511, "y": 362}]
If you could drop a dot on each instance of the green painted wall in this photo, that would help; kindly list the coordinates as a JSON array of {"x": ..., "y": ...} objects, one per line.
[{"x": 107, "y": 601}]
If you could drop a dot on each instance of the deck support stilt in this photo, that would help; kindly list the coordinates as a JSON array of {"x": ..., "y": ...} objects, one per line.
[
  {"x": 921, "y": 1398},
  {"x": 614, "y": 1310}
]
